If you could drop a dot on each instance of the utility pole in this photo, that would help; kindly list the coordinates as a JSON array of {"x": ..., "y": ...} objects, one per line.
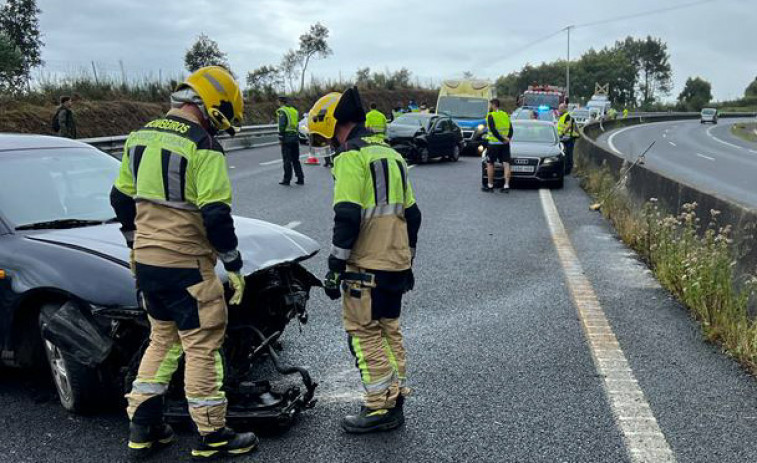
[{"x": 567, "y": 66}]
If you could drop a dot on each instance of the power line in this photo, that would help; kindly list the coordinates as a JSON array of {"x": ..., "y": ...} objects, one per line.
[{"x": 642, "y": 14}]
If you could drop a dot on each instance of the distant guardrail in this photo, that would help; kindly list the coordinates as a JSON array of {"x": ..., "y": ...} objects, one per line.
[{"x": 250, "y": 136}]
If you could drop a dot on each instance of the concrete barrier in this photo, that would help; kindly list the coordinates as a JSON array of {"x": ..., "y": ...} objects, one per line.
[{"x": 643, "y": 183}]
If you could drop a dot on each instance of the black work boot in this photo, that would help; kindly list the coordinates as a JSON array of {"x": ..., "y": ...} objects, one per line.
[
  {"x": 144, "y": 440},
  {"x": 225, "y": 442},
  {"x": 372, "y": 420},
  {"x": 300, "y": 181}
]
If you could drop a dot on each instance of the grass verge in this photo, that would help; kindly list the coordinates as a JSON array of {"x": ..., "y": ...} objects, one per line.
[
  {"x": 694, "y": 262},
  {"x": 745, "y": 131}
]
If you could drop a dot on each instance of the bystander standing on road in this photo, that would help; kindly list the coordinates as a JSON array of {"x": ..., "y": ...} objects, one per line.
[
  {"x": 64, "y": 122},
  {"x": 568, "y": 132},
  {"x": 500, "y": 131},
  {"x": 290, "y": 142}
]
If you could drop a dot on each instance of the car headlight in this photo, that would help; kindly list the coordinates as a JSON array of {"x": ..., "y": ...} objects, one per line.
[
  {"x": 480, "y": 127},
  {"x": 551, "y": 160}
]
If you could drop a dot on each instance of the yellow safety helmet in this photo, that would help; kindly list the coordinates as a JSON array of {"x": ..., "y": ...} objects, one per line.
[
  {"x": 333, "y": 108},
  {"x": 321, "y": 120},
  {"x": 220, "y": 95}
]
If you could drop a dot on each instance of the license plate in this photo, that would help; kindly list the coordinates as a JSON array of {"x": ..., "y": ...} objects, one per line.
[{"x": 523, "y": 169}]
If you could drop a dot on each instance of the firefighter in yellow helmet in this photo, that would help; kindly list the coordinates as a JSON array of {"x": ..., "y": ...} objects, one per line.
[
  {"x": 376, "y": 223},
  {"x": 173, "y": 200}
]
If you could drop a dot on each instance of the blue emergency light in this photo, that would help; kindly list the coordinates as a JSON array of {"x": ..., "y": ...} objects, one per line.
[{"x": 543, "y": 108}]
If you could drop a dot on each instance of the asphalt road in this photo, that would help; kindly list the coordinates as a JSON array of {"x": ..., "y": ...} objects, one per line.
[
  {"x": 706, "y": 156},
  {"x": 502, "y": 368}
]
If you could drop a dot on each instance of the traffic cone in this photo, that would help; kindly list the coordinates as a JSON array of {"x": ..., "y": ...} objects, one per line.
[{"x": 312, "y": 160}]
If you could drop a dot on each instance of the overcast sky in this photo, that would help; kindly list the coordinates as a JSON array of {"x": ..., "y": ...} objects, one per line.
[{"x": 435, "y": 39}]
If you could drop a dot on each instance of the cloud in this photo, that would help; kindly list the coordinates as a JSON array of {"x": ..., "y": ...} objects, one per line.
[{"x": 435, "y": 40}]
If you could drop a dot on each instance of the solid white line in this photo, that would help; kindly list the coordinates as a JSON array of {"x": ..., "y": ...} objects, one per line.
[
  {"x": 709, "y": 134},
  {"x": 642, "y": 436},
  {"x": 411, "y": 166},
  {"x": 268, "y": 163},
  {"x": 709, "y": 158},
  {"x": 672, "y": 143},
  {"x": 293, "y": 224}
]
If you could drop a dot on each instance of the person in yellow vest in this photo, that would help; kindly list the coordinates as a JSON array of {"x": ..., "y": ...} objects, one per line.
[
  {"x": 625, "y": 113},
  {"x": 500, "y": 132},
  {"x": 568, "y": 132},
  {"x": 376, "y": 223},
  {"x": 290, "y": 142},
  {"x": 375, "y": 121}
]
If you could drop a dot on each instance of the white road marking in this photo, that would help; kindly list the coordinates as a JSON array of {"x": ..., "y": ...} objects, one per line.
[
  {"x": 672, "y": 143},
  {"x": 665, "y": 135},
  {"x": 709, "y": 134},
  {"x": 268, "y": 163},
  {"x": 232, "y": 167},
  {"x": 709, "y": 158},
  {"x": 411, "y": 166},
  {"x": 615, "y": 134},
  {"x": 642, "y": 436},
  {"x": 293, "y": 224}
]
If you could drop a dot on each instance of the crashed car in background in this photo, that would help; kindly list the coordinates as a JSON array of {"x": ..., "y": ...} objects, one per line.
[
  {"x": 68, "y": 298},
  {"x": 537, "y": 156},
  {"x": 420, "y": 137}
]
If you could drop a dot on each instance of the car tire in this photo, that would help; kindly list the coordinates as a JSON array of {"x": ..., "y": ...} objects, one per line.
[
  {"x": 78, "y": 386},
  {"x": 455, "y": 156},
  {"x": 560, "y": 183},
  {"x": 423, "y": 156}
]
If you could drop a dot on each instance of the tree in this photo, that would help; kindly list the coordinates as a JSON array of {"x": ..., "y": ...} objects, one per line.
[
  {"x": 467, "y": 75},
  {"x": 696, "y": 94},
  {"x": 312, "y": 45},
  {"x": 651, "y": 59},
  {"x": 19, "y": 23},
  {"x": 11, "y": 62},
  {"x": 265, "y": 80},
  {"x": 290, "y": 65},
  {"x": 751, "y": 90},
  {"x": 204, "y": 52},
  {"x": 363, "y": 77}
]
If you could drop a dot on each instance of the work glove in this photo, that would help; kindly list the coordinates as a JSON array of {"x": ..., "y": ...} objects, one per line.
[
  {"x": 236, "y": 280},
  {"x": 332, "y": 285},
  {"x": 410, "y": 280}
]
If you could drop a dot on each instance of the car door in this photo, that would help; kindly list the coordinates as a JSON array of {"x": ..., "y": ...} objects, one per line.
[
  {"x": 435, "y": 138},
  {"x": 448, "y": 141}
]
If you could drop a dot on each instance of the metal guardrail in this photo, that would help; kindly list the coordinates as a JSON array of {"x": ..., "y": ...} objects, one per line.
[{"x": 249, "y": 137}]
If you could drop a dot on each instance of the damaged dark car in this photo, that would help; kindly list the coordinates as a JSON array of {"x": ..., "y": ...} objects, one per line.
[
  {"x": 68, "y": 300},
  {"x": 420, "y": 137}
]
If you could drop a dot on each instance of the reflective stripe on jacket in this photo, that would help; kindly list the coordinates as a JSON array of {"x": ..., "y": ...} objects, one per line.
[
  {"x": 291, "y": 115},
  {"x": 566, "y": 126}
]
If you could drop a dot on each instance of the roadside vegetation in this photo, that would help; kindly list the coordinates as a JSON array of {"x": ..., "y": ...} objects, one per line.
[
  {"x": 745, "y": 131},
  {"x": 692, "y": 257}
]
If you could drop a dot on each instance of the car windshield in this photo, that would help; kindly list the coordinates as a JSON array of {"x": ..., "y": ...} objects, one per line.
[
  {"x": 551, "y": 100},
  {"x": 413, "y": 120},
  {"x": 708, "y": 112},
  {"x": 534, "y": 133},
  {"x": 463, "y": 107},
  {"x": 581, "y": 113},
  {"x": 56, "y": 184}
]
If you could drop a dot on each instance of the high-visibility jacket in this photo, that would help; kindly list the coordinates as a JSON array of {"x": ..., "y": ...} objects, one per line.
[
  {"x": 566, "y": 126},
  {"x": 173, "y": 190},
  {"x": 376, "y": 219},
  {"x": 625, "y": 113},
  {"x": 375, "y": 121},
  {"x": 287, "y": 116},
  {"x": 501, "y": 123}
]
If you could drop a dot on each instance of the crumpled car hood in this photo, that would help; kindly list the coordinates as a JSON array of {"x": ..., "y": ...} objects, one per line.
[{"x": 262, "y": 244}]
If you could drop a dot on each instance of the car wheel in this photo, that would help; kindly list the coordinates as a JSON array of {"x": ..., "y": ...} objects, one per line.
[
  {"x": 455, "y": 156},
  {"x": 560, "y": 183},
  {"x": 423, "y": 156},
  {"x": 78, "y": 386}
]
